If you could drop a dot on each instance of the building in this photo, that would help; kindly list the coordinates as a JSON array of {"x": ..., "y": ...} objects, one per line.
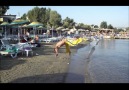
[{"x": 7, "y": 18}]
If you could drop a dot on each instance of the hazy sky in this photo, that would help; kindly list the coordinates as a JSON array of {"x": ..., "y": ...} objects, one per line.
[{"x": 117, "y": 16}]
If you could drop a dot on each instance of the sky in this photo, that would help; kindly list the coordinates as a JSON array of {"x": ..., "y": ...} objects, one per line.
[{"x": 117, "y": 16}]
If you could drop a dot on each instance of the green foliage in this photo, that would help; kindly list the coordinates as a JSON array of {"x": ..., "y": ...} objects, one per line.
[
  {"x": 83, "y": 26},
  {"x": 68, "y": 23},
  {"x": 24, "y": 16},
  {"x": 110, "y": 26},
  {"x": 33, "y": 14},
  {"x": 103, "y": 25},
  {"x": 55, "y": 19},
  {"x": 48, "y": 17},
  {"x": 3, "y": 10},
  {"x": 65, "y": 24},
  {"x": 96, "y": 26},
  {"x": 118, "y": 30}
]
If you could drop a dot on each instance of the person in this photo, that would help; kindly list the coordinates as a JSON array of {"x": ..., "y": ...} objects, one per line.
[
  {"x": 62, "y": 43},
  {"x": 34, "y": 41},
  {"x": 58, "y": 45},
  {"x": 31, "y": 40},
  {"x": 37, "y": 41},
  {"x": 23, "y": 40}
]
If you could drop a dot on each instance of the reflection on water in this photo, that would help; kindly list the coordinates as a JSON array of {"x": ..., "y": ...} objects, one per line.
[
  {"x": 107, "y": 43},
  {"x": 110, "y": 62},
  {"x": 78, "y": 68}
]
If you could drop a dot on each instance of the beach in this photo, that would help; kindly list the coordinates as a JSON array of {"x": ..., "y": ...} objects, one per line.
[{"x": 42, "y": 68}]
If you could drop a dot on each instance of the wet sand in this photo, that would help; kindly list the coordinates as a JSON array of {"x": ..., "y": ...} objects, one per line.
[{"x": 44, "y": 68}]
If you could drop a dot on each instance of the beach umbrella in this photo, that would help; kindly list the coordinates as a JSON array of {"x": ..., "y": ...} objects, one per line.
[
  {"x": 42, "y": 28},
  {"x": 4, "y": 24},
  {"x": 17, "y": 24},
  {"x": 24, "y": 28},
  {"x": 34, "y": 25},
  {"x": 59, "y": 29},
  {"x": 25, "y": 25}
]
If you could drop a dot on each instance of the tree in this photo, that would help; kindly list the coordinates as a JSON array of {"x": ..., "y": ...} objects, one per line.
[
  {"x": 33, "y": 14},
  {"x": 68, "y": 23},
  {"x": 47, "y": 17},
  {"x": 41, "y": 15},
  {"x": 65, "y": 24},
  {"x": 103, "y": 25},
  {"x": 24, "y": 16},
  {"x": 118, "y": 30},
  {"x": 96, "y": 26},
  {"x": 3, "y": 10},
  {"x": 55, "y": 19},
  {"x": 92, "y": 25},
  {"x": 110, "y": 26}
]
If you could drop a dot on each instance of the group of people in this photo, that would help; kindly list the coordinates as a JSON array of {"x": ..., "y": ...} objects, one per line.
[
  {"x": 31, "y": 40},
  {"x": 62, "y": 42}
]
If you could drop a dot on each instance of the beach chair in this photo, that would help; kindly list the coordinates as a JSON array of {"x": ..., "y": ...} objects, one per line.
[
  {"x": 4, "y": 44},
  {"x": 12, "y": 50},
  {"x": 27, "y": 48},
  {"x": 24, "y": 48}
]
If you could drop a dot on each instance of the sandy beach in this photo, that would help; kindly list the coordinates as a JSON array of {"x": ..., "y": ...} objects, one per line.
[{"x": 42, "y": 68}]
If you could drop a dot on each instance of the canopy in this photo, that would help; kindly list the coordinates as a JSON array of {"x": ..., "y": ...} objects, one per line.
[
  {"x": 34, "y": 24},
  {"x": 59, "y": 28},
  {"x": 25, "y": 25},
  {"x": 19, "y": 22},
  {"x": 4, "y": 23},
  {"x": 41, "y": 27}
]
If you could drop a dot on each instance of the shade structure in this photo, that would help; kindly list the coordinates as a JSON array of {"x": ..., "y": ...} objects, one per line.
[
  {"x": 4, "y": 24},
  {"x": 59, "y": 30},
  {"x": 35, "y": 25},
  {"x": 17, "y": 24},
  {"x": 40, "y": 27},
  {"x": 41, "y": 30},
  {"x": 25, "y": 25}
]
